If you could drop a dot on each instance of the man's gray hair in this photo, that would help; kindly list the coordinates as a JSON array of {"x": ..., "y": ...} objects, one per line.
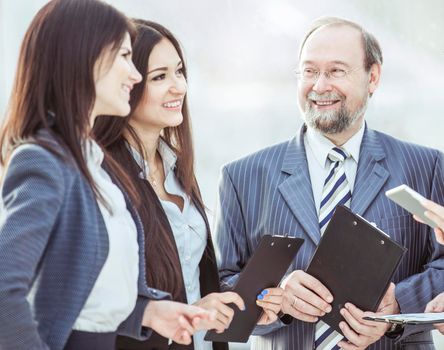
[{"x": 372, "y": 50}]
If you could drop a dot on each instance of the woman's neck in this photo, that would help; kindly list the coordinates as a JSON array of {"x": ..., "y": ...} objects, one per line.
[{"x": 149, "y": 142}]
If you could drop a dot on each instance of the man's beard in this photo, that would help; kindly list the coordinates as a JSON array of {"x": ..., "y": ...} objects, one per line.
[{"x": 334, "y": 121}]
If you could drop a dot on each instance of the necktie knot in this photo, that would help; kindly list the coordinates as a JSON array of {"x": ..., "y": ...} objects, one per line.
[{"x": 337, "y": 154}]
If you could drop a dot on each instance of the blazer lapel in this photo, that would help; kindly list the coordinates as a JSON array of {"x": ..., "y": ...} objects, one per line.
[
  {"x": 296, "y": 189},
  {"x": 371, "y": 174}
]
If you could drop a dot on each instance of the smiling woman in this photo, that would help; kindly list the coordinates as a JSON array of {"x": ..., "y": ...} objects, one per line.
[
  {"x": 154, "y": 144},
  {"x": 115, "y": 78}
]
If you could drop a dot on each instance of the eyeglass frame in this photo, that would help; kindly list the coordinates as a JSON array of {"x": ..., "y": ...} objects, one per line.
[{"x": 327, "y": 74}]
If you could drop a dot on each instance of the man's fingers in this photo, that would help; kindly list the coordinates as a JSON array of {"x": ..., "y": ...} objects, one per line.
[
  {"x": 358, "y": 315},
  {"x": 351, "y": 335},
  {"x": 316, "y": 286},
  {"x": 301, "y": 316},
  {"x": 360, "y": 328},
  {"x": 304, "y": 307},
  {"x": 307, "y": 301}
]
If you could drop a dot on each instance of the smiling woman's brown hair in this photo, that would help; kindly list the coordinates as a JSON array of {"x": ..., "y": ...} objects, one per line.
[{"x": 54, "y": 86}]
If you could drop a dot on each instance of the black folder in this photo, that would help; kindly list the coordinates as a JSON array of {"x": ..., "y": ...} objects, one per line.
[
  {"x": 265, "y": 269},
  {"x": 356, "y": 261}
]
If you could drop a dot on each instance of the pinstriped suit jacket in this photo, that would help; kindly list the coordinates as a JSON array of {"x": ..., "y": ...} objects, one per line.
[{"x": 269, "y": 192}]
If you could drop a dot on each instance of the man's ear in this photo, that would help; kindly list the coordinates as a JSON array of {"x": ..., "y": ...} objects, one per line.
[{"x": 375, "y": 74}]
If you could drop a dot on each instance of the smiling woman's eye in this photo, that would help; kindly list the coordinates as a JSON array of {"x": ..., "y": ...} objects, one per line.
[
  {"x": 126, "y": 53},
  {"x": 158, "y": 77},
  {"x": 180, "y": 71}
]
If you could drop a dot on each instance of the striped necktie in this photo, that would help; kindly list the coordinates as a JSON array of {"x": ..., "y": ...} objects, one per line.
[{"x": 336, "y": 191}]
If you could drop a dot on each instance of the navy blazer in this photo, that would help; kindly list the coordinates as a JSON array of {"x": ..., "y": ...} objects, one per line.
[
  {"x": 53, "y": 244},
  {"x": 269, "y": 192}
]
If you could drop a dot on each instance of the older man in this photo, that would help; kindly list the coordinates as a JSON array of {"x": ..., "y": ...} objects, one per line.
[{"x": 294, "y": 187}]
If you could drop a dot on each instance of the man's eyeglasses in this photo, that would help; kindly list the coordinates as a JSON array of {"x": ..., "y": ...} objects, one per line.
[{"x": 311, "y": 75}]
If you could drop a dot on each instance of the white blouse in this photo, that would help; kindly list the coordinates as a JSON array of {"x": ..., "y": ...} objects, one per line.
[{"x": 114, "y": 294}]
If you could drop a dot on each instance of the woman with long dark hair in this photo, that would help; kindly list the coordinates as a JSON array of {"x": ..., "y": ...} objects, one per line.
[
  {"x": 69, "y": 252},
  {"x": 154, "y": 145}
]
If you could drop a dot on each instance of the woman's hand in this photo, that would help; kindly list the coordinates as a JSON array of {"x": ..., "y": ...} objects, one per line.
[
  {"x": 434, "y": 212},
  {"x": 217, "y": 304},
  {"x": 270, "y": 300},
  {"x": 175, "y": 321}
]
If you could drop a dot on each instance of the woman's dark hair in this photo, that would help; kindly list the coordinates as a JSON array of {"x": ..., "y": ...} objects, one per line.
[
  {"x": 163, "y": 268},
  {"x": 54, "y": 86}
]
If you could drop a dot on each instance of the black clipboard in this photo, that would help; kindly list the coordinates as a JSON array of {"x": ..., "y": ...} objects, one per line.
[
  {"x": 355, "y": 261},
  {"x": 265, "y": 269}
]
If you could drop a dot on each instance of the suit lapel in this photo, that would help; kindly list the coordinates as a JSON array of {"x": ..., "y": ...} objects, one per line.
[
  {"x": 296, "y": 189},
  {"x": 371, "y": 174}
]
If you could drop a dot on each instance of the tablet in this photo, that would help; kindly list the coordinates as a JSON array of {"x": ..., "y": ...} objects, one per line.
[
  {"x": 410, "y": 200},
  {"x": 265, "y": 269},
  {"x": 413, "y": 319}
]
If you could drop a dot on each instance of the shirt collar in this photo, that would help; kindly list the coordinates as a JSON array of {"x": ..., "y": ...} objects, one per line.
[
  {"x": 321, "y": 145},
  {"x": 168, "y": 156},
  {"x": 92, "y": 153}
]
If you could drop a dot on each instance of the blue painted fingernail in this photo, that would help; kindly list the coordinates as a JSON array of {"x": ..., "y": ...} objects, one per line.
[
  {"x": 260, "y": 297},
  {"x": 264, "y": 292}
]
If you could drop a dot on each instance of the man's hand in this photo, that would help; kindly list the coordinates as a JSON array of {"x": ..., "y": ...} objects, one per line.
[
  {"x": 437, "y": 305},
  {"x": 361, "y": 333},
  {"x": 216, "y": 302},
  {"x": 172, "y": 320},
  {"x": 305, "y": 298},
  {"x": 270, "y": 300}
]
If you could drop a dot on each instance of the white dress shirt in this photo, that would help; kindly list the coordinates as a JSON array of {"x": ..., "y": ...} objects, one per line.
[
  {"x": 189, "y": 230},
  {"x": 317, "y": 147},
  {"x": 114, "y": 294}
]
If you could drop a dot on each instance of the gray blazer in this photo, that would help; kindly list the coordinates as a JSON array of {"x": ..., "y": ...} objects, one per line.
[
  {"x": 53, "y": 244},
  {"x": 269, "y": 192}
]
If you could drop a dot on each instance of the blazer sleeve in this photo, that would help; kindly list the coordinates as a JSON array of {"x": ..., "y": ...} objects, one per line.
[
  {"x": 415, "y": 292},
  {"x": 31, "y": 198},
  {"x": 231, "y": 240},
  {"x": 132, "y": 326},
  {"x": 230, "y": 233}
]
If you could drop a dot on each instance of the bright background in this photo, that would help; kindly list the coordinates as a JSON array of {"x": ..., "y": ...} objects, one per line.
[{"x": 241, "y": 54}]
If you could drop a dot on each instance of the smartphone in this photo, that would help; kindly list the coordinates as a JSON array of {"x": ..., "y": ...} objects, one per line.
[{"x": 409, "y": 199}]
